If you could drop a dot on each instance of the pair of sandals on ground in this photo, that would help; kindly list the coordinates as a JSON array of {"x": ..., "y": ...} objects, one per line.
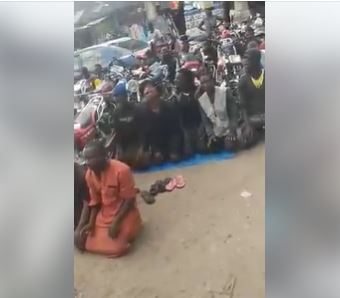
[{"x": 161, "y": 186}]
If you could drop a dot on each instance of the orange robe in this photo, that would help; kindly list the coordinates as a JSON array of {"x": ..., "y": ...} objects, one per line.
[{"x": 115, "y": 185}]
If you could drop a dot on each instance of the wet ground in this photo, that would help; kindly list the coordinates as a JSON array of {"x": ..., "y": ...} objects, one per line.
[{"x": 204, "y": 241}]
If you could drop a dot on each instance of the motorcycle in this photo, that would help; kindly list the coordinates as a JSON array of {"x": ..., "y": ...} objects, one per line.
[
  {"x": 229, "y": 63},
  {"x": 94, "y": 121},
  {"x": 119, "y": 72},
  {"x": 133, "y": 80},
  {"x": 80, "y": 91},
  {"x": 191, "y": 62},
  {"x": 229, "y": 67},
  {"x": 133, "y": 91},
  {"x": 83, "y": 92}
]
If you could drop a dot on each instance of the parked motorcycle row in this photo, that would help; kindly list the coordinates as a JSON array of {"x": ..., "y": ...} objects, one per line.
[{"x": 94, "y": 104}]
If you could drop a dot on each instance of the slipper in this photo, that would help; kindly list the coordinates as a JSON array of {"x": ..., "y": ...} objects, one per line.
[
  {"x": 162, "y": 185},
  {"x": 159, "y": 186},
  {"x": 180, "y": 183},
  {"x": 154, "y": 188},
  {"x": 171, "y": 185},
  {"x": 147, "y": 197},
  {"x": 166, "y": 181}
]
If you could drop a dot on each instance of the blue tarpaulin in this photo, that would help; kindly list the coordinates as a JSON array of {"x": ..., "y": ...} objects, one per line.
[{"x": 197, "y": 159}]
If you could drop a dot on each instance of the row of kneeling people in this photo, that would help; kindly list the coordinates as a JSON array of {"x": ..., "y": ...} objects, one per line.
[{"x": 205, "y": 118}]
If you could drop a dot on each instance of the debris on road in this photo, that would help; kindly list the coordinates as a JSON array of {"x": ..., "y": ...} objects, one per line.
[
  {"x": 228, "y": 289},
  {"x": 246, "y": 194}
]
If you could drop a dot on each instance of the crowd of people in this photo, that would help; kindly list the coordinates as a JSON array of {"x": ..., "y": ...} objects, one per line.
[{"x": 204, "y": 118}]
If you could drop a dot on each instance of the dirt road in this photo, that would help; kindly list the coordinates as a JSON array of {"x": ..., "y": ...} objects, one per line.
[{"x": 194, "y": 240}]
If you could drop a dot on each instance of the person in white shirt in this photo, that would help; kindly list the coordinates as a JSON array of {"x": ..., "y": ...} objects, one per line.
[{"x": 219, "y": 113}]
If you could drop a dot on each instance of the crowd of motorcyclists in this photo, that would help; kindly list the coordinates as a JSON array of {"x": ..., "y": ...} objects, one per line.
[{"x": 184, "y": 96}]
